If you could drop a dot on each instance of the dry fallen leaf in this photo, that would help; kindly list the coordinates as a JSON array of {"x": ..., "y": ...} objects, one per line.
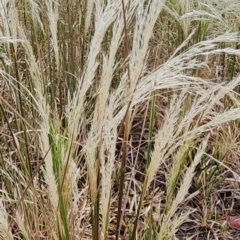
[{"x": 233, "y": 221}]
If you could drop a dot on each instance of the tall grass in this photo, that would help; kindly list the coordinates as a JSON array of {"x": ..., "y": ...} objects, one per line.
[{"x": 82, "y": 156}]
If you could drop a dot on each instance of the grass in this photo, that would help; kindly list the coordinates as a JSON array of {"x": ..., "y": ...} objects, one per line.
[{"x": 119, "y": 119}]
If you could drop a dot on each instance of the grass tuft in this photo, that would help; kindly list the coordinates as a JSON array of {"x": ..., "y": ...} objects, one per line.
[{"x": 119, "y": 119}]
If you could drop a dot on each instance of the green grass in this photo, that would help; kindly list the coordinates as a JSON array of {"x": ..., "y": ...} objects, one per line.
[{"x": 119, "y": 119}]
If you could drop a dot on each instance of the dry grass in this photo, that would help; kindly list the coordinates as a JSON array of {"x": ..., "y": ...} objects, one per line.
[{"x": 119, "y": 119}]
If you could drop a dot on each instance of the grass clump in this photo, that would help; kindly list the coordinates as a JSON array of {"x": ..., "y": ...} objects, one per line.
[{"x": 119, "y": 119}]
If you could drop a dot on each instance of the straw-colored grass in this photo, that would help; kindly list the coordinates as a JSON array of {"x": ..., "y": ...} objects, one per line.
[{"x": 119, "y": 119}]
